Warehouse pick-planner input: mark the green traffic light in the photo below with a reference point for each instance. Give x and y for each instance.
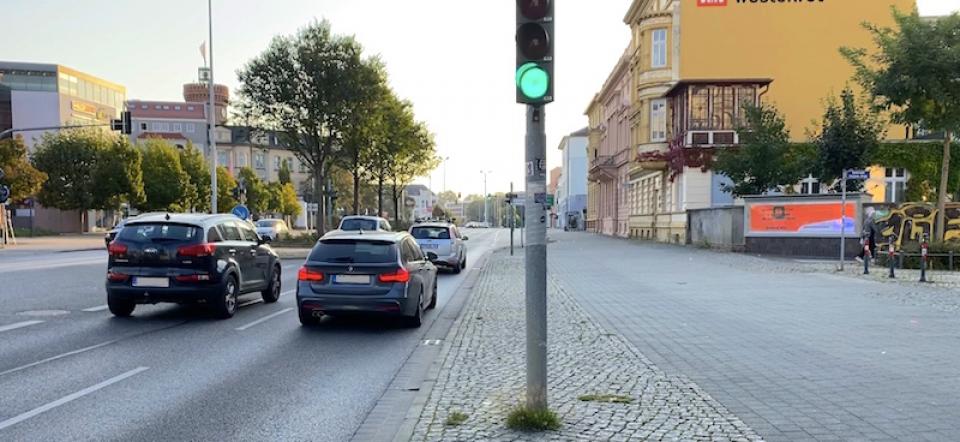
(533, 81)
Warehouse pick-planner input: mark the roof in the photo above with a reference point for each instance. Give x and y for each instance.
(182, 218)
(433, 224)
(581, 133)
(416, 189)
(369, 217)
(370, 235)
(718, 81)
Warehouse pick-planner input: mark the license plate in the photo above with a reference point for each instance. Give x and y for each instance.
(352, 279)
(430, 246)
(151, 282)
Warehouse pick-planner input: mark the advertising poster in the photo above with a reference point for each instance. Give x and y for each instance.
(801, 219)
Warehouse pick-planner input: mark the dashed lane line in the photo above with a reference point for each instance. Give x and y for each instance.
(264, 319)
(17, 325)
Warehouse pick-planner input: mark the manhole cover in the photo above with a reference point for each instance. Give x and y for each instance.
(44, 313)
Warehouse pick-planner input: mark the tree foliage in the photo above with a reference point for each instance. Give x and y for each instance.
(289, 204)
(23, 179)
(256, 198)
(284, 173)
(198, 173)
(765, 161)
(849, 135)
(165, 183)
(225, 185)
(118, 176)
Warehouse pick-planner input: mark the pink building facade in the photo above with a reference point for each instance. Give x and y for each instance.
(610, 154)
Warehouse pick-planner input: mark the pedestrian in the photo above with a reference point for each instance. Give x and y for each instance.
(868, 233)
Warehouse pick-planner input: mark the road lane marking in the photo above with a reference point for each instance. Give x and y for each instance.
(250, 302)
(288, 292)
(264, 319)
(69, 398)
(60, 356)
(17, 325)
(98, 308)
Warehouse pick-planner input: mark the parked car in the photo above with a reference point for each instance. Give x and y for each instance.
(382, 273)
(271, 229)
(445, 240)
(189, 258)
(112, 234)
(366, 223)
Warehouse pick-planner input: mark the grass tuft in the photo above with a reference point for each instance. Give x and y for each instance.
(523, 418)
(610, 398)
(456, 418)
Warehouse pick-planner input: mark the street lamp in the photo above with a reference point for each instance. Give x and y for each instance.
(445, 173)
(211, 119)
(486, 196)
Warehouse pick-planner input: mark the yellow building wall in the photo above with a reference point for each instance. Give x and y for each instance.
(794, 43)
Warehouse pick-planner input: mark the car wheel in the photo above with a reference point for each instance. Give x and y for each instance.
(433, 298)
(120, 308)
(225, 304)
(272, 293)
(416, 320)
(457, 268)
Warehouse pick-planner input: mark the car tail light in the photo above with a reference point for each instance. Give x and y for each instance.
(115, 249)
(193, 278)
(117, 277)
(400, 275)
(309, 275)
(197, 251)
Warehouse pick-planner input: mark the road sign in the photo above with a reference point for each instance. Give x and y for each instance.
(550, 200)
(4, 194)
(241, 212)
(858, 174)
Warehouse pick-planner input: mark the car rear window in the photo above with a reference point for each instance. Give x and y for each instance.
(354, 252)
(430, 233)
(160, 232)
(358, 224)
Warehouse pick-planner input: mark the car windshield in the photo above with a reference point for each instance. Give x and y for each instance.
(430, 232)
(354, 252)
(268, 223)
(358, 224)
(160, 232)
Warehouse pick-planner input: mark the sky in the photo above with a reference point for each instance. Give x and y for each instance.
(454, 61)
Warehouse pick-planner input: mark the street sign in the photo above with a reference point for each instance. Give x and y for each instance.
(550, 200)
(858, 174)
(241, 212)
(4, 194)
(203, 74)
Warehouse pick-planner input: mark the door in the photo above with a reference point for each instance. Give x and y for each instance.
(414, 263)
(235, 248)
(258, 254)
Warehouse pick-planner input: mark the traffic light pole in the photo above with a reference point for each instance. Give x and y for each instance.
(513, 219)
(535, 220)
(212, 119)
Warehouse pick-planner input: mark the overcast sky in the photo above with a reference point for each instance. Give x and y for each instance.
(454, 62)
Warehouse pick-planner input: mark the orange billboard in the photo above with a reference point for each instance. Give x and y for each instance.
(801, 219)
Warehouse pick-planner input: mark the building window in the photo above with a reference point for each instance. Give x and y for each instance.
(896, 185)
(303, 166)
(176, 108)
(189, 108)
(241, 159)
(143, 126)
(223, 159)
(658, 120)
(259, 160)
(659, 49)
(810, 186)
(191, 128)
(276, 163)
(177, 127)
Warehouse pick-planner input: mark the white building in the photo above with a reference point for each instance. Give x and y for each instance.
(420, 201)
(572, 185)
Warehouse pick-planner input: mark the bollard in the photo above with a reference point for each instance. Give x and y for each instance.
(866, 256)
(892, 256)
(923, 259)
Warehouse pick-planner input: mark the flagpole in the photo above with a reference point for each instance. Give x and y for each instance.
(211, 119)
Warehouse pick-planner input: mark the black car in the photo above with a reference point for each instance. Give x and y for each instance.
(381, 273)
(189, 259)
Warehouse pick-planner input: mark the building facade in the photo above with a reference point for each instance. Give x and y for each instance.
(419, 201)
(571, 199)
(692, 67)
(552, 186)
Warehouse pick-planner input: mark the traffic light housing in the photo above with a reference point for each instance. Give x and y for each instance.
(535, 45)
(123, 125)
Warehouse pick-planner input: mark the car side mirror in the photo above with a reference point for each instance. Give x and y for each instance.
(432, 257)
(261, 241)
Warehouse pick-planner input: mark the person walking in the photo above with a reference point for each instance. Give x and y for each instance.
(868, 233)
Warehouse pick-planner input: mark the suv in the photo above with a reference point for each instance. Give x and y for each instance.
(187, 259)
(354, 223)
(445, 240)
(374, 273)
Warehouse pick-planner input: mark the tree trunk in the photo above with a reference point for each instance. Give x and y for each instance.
(356, 183)
(940, 226)
(318, 196)
(396, 204)
(380, 195)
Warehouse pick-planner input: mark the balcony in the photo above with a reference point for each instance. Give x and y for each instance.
(603, 168)
(708, 113)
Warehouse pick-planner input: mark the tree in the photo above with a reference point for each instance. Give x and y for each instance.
(225, 185)
(305, 87)
(447, 197)
(366, 128)
(23, 179)
(165, 183)
(438, 212)
(256, 197)
(284, 172)
(118, 176)
(289, 204)
(69, 159)
(765, 159)
(913, 76)
(273, 197)
(415, 156)
(198, 172)
(848, 138)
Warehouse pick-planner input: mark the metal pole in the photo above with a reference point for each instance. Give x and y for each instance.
(513, 219)
(536, 259)
(893, 258)
(923, 259)
(329, 200)
(212, 120)
(843, 218)
(486, 200)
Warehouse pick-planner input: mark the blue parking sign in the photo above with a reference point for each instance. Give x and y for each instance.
(241, 212)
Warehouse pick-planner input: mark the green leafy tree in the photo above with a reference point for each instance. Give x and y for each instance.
(284, 172)
(416, 156)
(273, 197)
(255, 198)
(438, 212)
(305, 87)
(849, 136)
(165, 183)
(23, 179)
(289, 204)
(447, 197)
(225, 185)
(118, 176)
(366, 128)
(198, 172)
(913, 76)
(765, 160)
(69, 159)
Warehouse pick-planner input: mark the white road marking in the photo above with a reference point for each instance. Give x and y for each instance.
(17, 325)
(250, 302)
(98, 308)
(264, 319)
(288, 292)
(69, 398)
(60, 356)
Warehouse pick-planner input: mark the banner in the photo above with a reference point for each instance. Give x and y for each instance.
(820, 219)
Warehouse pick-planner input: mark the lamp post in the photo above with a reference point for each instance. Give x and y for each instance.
(211, 119)
(445, 159)
(486, 197)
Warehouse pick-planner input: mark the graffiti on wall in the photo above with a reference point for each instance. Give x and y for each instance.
(909, 222)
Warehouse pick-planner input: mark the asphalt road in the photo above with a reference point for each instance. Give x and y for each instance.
(69, 370)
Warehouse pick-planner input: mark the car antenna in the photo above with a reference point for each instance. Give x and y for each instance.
(168, 217)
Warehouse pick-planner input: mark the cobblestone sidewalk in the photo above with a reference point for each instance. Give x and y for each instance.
(483, 376)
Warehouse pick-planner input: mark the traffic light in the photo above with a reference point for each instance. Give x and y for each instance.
(535, 43)
(123, 125)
